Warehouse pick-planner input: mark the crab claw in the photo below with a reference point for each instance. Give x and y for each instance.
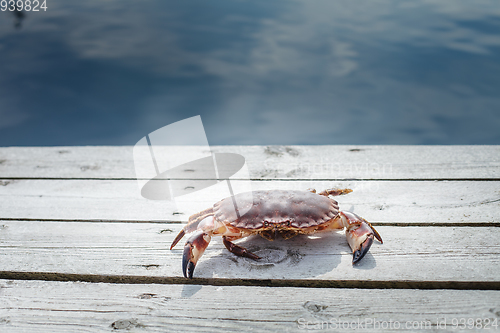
(357, 255)
(193, 250)
(360, 234)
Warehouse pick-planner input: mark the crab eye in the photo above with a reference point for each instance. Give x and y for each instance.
(266, 223)
(288, 223)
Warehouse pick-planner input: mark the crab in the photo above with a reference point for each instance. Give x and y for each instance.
(269, 214)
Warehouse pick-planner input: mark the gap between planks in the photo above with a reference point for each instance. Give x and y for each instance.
(394, 224)
(297, 283)
(264, 179)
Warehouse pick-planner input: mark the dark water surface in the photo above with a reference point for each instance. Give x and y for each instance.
(258, 72)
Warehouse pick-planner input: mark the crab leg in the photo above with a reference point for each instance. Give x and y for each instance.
(238, 250)
(193, 224)
(335, 191)
(359, 233)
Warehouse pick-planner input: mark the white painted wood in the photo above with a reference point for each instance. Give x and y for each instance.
(377, 201)
(270, 162)
(142, 249)
(97, 183)
(34, 306)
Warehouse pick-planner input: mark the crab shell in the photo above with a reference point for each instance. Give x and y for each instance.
(276, 209)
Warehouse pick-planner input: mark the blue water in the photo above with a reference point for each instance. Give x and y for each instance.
(258, 72)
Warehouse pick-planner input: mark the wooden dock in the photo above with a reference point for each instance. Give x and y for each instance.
(82, 251)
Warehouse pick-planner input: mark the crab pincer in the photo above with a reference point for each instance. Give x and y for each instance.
(202, 229)
(193, 250)
(359, 233)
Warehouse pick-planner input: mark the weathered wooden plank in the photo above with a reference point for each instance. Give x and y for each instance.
(85, 307)
(378, 201)
(414, 254)
(270, 162)
(141, 249)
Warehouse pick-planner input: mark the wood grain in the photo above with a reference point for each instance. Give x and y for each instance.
(37, 306)
(76, 214)
(386, 202)
(269, 162)
(141, 249)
